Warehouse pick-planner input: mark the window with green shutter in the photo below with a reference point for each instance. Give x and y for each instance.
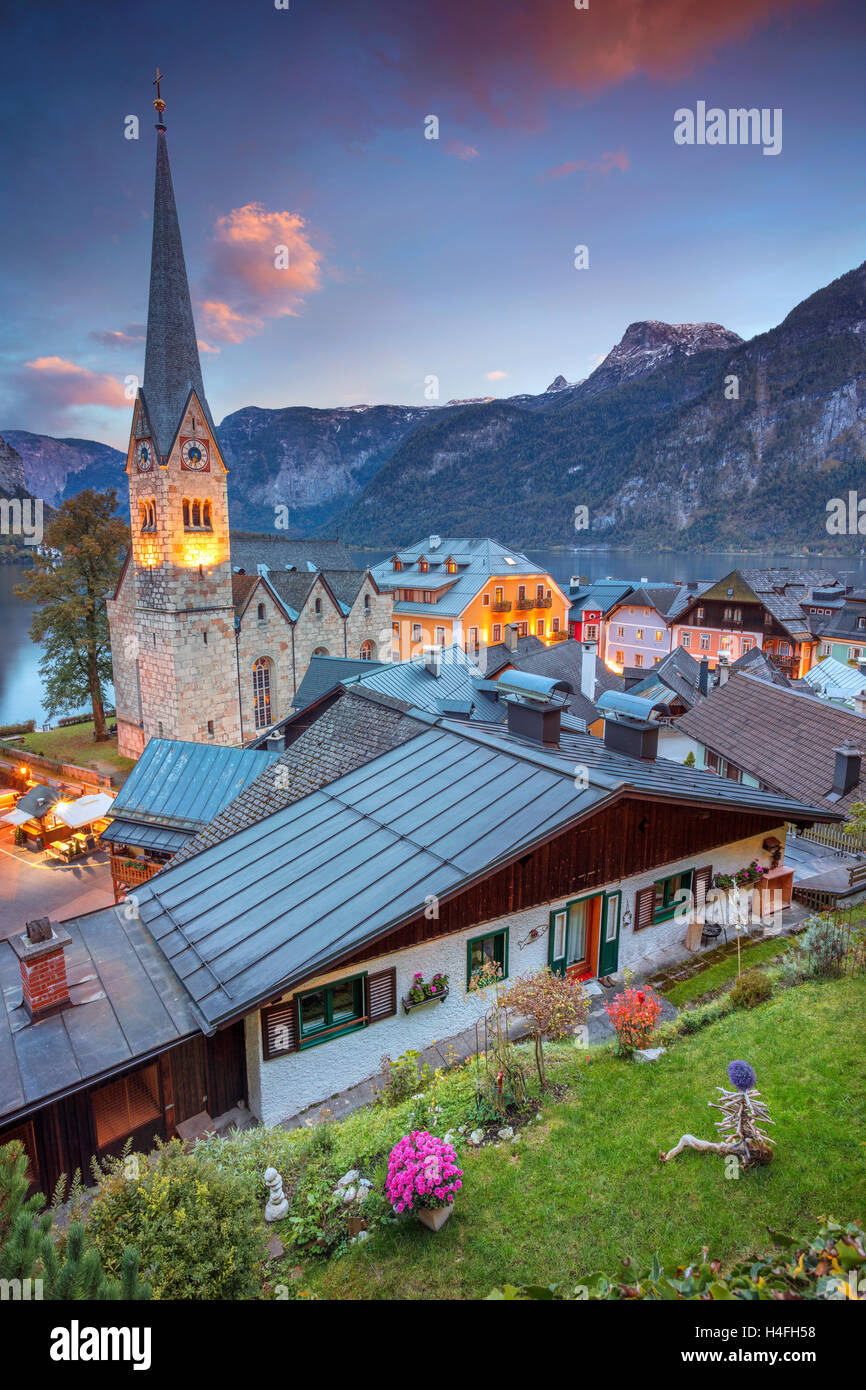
(487, 953)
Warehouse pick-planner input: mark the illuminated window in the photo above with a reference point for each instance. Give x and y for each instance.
(451, 567)
(497, 632)
(320, 651)
(262, 692)
(124, 1106)
(423, 565)
(368, 651)
(539, 627)
(556, 625)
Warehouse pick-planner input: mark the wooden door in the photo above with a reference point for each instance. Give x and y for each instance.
(608, 949)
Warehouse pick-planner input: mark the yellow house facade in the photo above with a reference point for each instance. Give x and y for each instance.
(464, 591)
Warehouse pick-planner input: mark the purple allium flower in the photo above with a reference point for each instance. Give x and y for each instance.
(741, 1076)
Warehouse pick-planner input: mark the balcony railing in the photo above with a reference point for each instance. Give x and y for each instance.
(543, 602)
(524, 603)
(127, 873)
(502, 605)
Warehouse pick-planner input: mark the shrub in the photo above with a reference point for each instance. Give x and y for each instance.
(634, 1014)
(818, 953)
(693, 1020)
(422, 1171)
(552, 1006)
(403, 1078)
(753, 987)
(194, 1223)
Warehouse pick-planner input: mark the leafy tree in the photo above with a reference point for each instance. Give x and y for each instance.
(67, 1264)
(552, 1006)
(72, 620)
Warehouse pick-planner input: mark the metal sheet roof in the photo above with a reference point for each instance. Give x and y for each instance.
(459, 680)
(127, 1004)
(129, 832)
(281, 898)
(182, 785)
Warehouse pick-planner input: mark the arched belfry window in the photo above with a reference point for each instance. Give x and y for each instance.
(318, 605)
(261, 613)
(147, 513)
(197, 514)
(262, 692)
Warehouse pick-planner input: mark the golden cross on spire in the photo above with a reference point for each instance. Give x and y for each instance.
(159, 104)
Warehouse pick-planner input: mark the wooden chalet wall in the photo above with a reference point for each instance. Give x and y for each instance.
(200, 1074)
(630, 837)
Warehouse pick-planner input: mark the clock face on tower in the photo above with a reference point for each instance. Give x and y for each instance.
(144, 456)
(194, 455)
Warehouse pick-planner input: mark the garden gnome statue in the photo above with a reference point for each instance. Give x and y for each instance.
(277, 1206)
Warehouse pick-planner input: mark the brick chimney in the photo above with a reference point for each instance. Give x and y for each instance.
(43, 968)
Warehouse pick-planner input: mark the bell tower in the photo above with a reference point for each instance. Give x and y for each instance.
(177, 669)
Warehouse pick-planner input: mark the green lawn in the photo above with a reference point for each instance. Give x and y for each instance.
(585, 1186)
(724, 971)
(75, 745)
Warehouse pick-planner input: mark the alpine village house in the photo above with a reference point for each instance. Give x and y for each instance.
(269, 963)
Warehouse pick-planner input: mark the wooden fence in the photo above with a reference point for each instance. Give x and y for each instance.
(834, 837)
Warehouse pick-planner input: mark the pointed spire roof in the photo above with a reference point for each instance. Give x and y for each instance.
(171, 362)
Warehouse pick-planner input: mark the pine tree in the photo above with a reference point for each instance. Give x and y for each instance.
(69, 1268)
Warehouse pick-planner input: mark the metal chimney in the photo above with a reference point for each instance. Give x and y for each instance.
(846, 773)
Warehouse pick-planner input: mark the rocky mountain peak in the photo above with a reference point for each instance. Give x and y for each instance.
(559, 383)
(648, 344)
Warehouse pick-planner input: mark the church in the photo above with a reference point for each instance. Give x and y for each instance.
(211, 633)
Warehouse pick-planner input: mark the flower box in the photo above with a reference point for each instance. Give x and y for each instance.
(410, 1004)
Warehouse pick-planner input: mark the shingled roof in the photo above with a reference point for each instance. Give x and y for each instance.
(353, 730)
(784, 738)
(249, 550)
(171, 362)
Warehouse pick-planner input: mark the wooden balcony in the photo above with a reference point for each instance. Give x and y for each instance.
(502, 605)
(544, 602)
(128, 873)
(524, 603)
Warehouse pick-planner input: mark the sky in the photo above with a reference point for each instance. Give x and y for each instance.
(411, 264)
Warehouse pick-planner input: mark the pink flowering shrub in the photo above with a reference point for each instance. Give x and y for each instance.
(422, 1172)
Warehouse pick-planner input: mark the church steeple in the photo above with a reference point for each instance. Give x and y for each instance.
(171, 362)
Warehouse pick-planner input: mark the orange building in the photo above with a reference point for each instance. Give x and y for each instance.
(464, 591)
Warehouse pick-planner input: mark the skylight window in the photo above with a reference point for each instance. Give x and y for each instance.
(509, 561)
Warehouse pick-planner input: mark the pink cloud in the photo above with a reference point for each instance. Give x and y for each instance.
(67, 384)
(609, 160)
(459, 150)
(496, 376)
(262, 265)
(132, 334)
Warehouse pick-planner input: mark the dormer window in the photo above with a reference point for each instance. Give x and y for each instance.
(423, 565)
(397, 562)
(451, 566)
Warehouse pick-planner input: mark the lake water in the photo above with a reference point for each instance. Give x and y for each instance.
(21, 684)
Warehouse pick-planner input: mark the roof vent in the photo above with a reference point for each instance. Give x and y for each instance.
(637, 738)
(433, 661)
(846, 774)
(535, 704)
(511, 636)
